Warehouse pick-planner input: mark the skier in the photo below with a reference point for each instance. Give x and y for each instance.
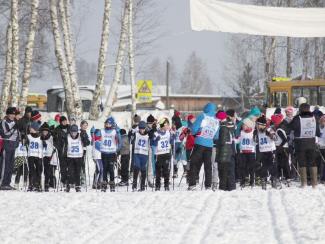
(35, 154)
(60, 142)
(247, 156)
(141, 151)
(225, 153)
(264, 137)
(85, 139)
(21, 164)
(97, 157)
(305, 128)
(110, 145)
(10, 134)
(206, 128)
(125, 158)
(48, 153)
(75, 146)
(163, 140)
(281, 143)
(152, 128)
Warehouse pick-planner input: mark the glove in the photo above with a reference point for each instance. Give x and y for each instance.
(158, 138)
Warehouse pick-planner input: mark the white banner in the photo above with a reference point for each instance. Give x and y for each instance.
(213, 15)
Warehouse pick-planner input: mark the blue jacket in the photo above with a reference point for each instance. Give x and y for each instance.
(205, 135)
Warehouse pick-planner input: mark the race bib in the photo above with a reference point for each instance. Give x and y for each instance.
(307, 127)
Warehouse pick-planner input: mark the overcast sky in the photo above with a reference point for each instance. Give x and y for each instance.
(178, 41)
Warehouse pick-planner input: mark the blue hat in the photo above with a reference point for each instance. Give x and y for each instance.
(142, 125)
(74, 128)
(110, 120)
(35, 126)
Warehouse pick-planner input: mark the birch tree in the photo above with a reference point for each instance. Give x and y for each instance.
(7, 77)
(99, 88)
(119, 61)
(131, 58)
(29, 55)
(60, 58)
(70, 55)
(15, 53)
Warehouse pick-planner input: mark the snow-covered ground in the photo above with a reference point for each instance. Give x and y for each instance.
(290, 215)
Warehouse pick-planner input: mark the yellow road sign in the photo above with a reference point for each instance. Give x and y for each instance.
(144, 88)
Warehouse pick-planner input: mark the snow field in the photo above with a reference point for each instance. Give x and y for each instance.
(290, 215)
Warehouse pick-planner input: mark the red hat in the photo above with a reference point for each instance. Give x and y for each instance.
(36, 115)
(57, 117)
(221, 115)
(277, 119)
(190, 117)
(177, 113)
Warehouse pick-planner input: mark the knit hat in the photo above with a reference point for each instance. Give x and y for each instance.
(277, 111)
(289, 109)
(35, 126)
(163, 121)
(74, 128)
(122, 132)
(52, 123)
(255, 112)
(63, 118)
(190, 117)
(304, 107)
(110, 120)
(36, 115)
(11, 110)
(177, 113)
(97, 135)
(28, 110)
(45, 127)
(261, 120)
(230, 112)
(136, 119)
(249, 123)
(221, 115)
(142, 125)
(277, 119)
(57, 117)
(150, 119)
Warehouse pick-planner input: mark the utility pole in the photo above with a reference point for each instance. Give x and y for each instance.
(167, 85)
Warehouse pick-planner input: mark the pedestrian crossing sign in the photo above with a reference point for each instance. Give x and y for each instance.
(144, 90)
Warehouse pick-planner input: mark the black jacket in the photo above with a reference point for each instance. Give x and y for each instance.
(225, 146)
(23, 126)
(295, 126)
(60, 138)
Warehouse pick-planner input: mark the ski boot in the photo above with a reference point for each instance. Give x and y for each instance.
(46, 188)
(263, 184)
(78, 189)
(192, 188)
(30, 189)
(157, 188)
(274, 183)
(122, 183)
(166, 188)
(214, 186)
(67, 189)
(112, 186)
(104, 187)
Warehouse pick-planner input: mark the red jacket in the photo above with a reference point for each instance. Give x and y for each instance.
(189, 139)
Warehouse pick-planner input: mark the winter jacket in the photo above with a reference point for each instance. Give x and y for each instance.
(225, 146)
(125, 149)
(60, 136)
(295, 126)
(85, 138)
(186, 133)
(23, 126)
(206, 126)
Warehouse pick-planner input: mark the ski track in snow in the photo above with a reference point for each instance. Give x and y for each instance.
(289, 215)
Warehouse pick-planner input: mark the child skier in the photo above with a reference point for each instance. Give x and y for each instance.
(75, 157)
(247, 160)
(110, 146)
(163, 141)
(48, 153)
(125, 158)
(282, 147)
(264, 137)
(35, 149)
(21, 164)
(97, 157)
(141, 152)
